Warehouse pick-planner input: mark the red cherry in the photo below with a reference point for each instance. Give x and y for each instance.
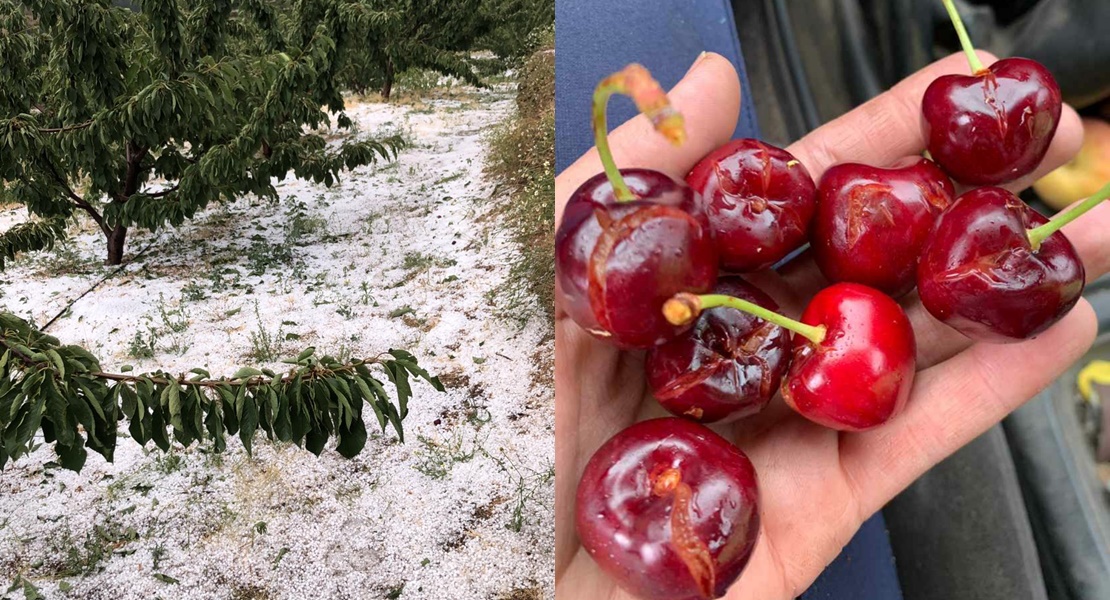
(995, 125)
(860, 374)
(670, 510)
(618, 262)
(727, 367)
(625, 247)
(759, 200)
(872, 222)
(980, 274)
(853, 362)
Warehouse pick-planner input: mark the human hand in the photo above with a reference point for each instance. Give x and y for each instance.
(817, 486)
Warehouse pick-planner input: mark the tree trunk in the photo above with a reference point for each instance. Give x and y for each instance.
(387, 87)
(116, 241)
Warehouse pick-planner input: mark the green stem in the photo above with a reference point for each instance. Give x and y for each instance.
(634, 81)
(965, 40)
(683, 308)
(601, 139)
(1038, 235)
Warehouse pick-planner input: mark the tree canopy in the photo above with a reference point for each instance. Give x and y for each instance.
(143, 118)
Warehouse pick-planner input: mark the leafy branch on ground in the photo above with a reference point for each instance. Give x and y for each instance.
(62, 391)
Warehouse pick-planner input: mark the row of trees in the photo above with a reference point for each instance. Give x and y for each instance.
(144, 114)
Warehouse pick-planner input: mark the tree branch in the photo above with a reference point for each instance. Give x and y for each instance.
(67, 128)
(78, 201)
(163, 193)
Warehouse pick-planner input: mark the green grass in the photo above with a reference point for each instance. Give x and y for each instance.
(522, 157)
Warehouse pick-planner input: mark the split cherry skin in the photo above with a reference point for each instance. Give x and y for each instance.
(630, 239)
(872, 222)
(728, 366)
(997, 271)
(994, 125)
(853, 354)
(759, 200)
(670, 510)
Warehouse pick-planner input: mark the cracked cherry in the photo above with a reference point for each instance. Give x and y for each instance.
(853, 357)
(759, 200)
(994, 125)
(871, 222)
(728, 366)
(630, 239)
(998, 271)
(669, 509)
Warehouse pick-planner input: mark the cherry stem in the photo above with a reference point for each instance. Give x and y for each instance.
(1039, 234)
(635, 82)
(683, 308)
(965, 40)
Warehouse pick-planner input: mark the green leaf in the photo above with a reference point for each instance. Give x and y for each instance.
(158, 428)
(248, 422)
(72, 457)
(214, 424)
(165, 578)
(315, 440)
(58, 362)
(173, 398)
(56, 409)
(352, 439)
(246, 373)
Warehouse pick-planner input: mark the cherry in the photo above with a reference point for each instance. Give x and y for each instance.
(759, 199)
(630, 239)
(872, 222)
(670, 510)
(727, 367)
(996, 270)
(854, 353)
(995, 125)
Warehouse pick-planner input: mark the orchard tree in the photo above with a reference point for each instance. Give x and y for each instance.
(521, 27)
(143, 117)
(437, 35)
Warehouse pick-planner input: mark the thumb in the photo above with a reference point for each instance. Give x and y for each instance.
(708, 98)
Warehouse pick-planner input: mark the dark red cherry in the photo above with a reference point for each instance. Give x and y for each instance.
(871, 222)
(861, 373)
(759, 200)
(618, 262)
(980, 274)
(728, 366)
(994, 126)
(670, 510)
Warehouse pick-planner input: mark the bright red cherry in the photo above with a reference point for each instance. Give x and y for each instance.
(759, 200)
(860, 373)
(728, 366)
(995, 125)
(992, 272)
(854, 353)
(670, 510)
(631, 239)
(872, 222)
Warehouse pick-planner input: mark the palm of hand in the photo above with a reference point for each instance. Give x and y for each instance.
(816, 485)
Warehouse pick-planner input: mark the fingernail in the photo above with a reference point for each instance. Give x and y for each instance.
(701, 57)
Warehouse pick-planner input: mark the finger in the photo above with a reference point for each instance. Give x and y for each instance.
(956, 401)
(708, 98)
(883, 129)
(888, 127)
(936, 342)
